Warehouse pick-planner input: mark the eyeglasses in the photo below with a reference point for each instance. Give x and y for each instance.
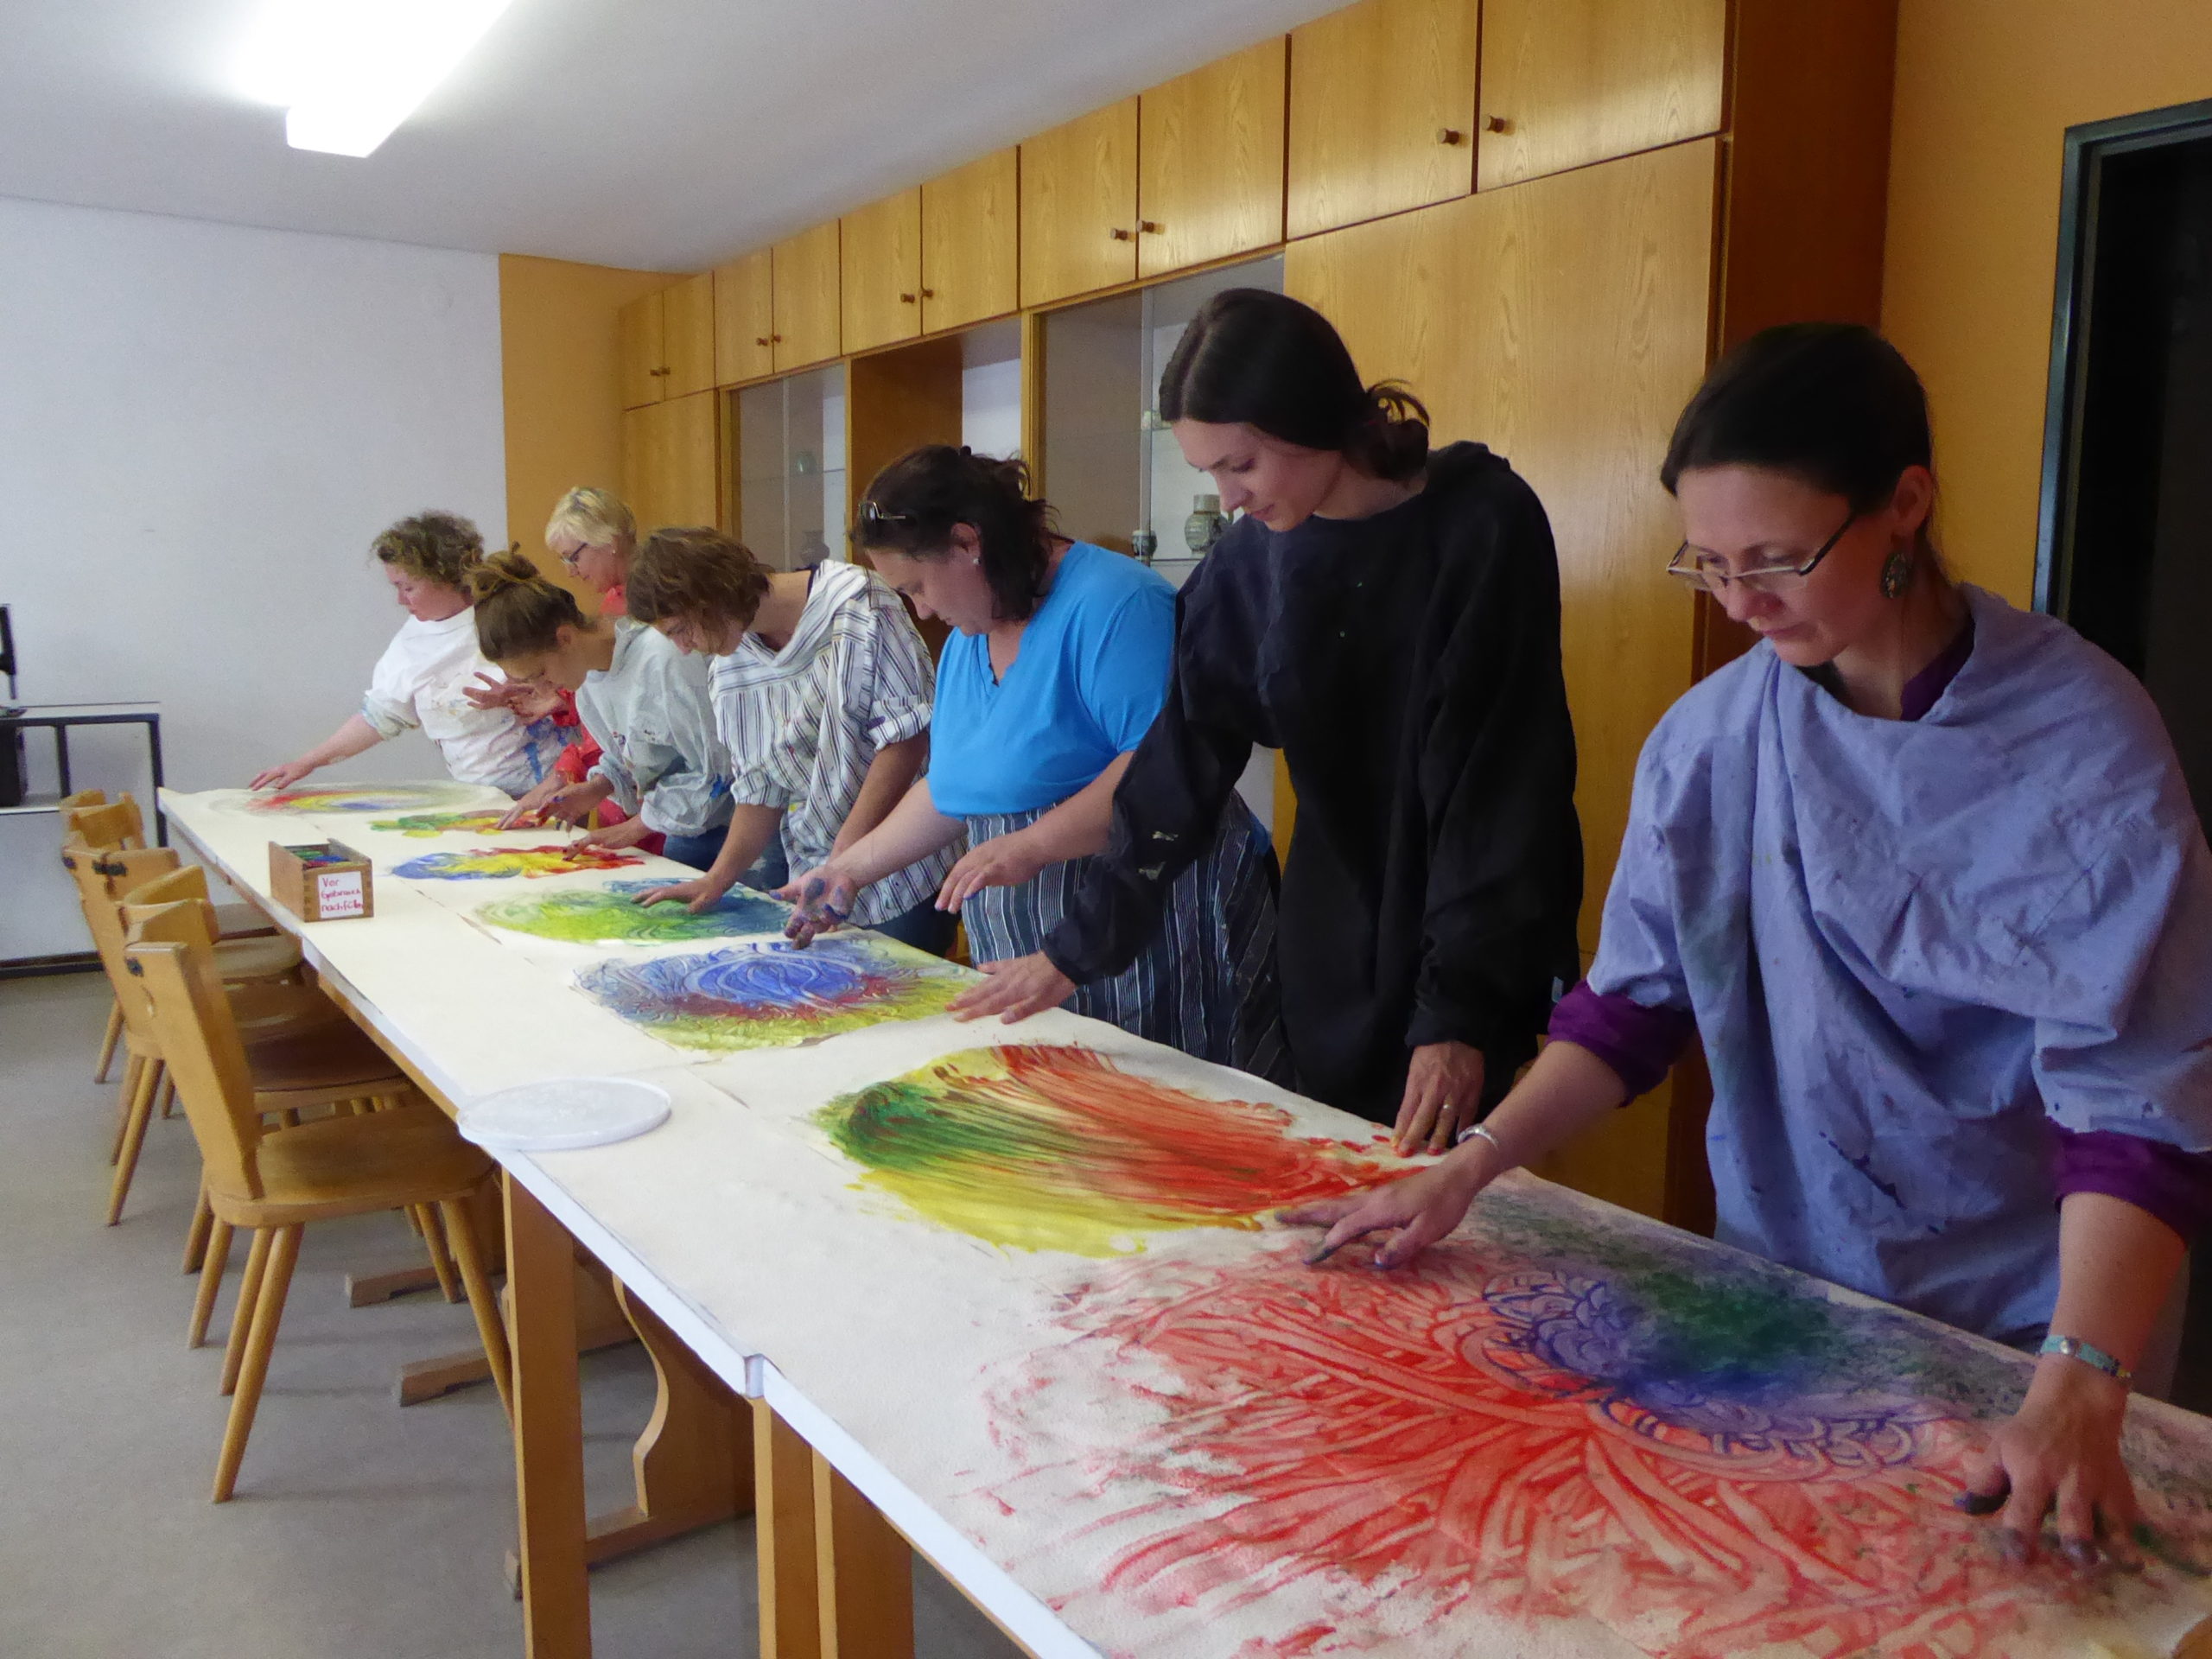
(1713, 574)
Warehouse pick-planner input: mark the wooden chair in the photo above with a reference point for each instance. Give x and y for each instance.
(119, 827)
(71, 835)
(273, 1184)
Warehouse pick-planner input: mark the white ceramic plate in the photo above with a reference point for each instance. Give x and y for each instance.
(563, 1113)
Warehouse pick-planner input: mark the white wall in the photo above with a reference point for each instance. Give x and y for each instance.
(201, 426)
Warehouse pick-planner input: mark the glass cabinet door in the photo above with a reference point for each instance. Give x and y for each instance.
(791, 468)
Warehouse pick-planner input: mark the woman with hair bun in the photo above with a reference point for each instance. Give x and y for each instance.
(1055, 671)
(643, 701)
(433, 678)
(1389, 617)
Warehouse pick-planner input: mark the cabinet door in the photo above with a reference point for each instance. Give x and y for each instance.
(1079, 206)
(671, 472)
(881, 265)
(1381, 111)
(1209, 179)
(745, 317)
(639, 350)
(688, 336)
(806, 300)
(1568, 82)
(971, 252)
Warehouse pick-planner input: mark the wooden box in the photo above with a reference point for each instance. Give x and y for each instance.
(324, 881)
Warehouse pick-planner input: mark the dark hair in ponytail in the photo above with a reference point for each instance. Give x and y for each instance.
(518, 612)
(912, 505)
(1261, 359)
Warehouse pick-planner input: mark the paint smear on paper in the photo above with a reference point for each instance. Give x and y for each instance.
(422, 825)
(1704, 1455)
(773, 995)
(595, 915)
(366, 798)
(1053, 1148)
(497, 863)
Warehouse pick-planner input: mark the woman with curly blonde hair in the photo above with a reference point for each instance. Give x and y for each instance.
(425, 675)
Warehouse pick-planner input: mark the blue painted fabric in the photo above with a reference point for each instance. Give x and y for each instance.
(1911, 946)
(1084, 687)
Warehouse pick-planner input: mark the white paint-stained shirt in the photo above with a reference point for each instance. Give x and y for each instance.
(420, 682)
(803, 724)
(649, 713)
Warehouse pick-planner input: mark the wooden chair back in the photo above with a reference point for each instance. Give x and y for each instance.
(168, 958)
(117, 824)
(82, 798)
(105, 926)
(186, 884)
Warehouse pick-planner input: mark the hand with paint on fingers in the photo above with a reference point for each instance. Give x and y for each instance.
(562, 804)
(1414, 1212)
(1444, 1090)
(282, 777)
(700, 894)
(628, 833)
(1013, 990)
(1002, 862)
(824, 898)
(521, 698)
(2058, 1460)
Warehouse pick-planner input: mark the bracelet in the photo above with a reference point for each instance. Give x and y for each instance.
(1475, 1130)
(2075, 1348)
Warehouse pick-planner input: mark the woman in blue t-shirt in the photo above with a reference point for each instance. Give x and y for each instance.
(1056, 667)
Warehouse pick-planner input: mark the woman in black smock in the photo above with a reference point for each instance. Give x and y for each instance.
(1389, 617)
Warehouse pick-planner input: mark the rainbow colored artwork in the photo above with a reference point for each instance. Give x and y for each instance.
(422, 825)
(497, 863)
(773, 995)
(1053, 1148)
(1553, 1416)
(594, 915)
(366, 798)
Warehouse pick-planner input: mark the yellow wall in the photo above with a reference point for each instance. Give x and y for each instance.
(1986, 89)
(564, 405)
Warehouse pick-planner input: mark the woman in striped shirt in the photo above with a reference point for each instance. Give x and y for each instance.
(821, 688)
(1057, 667)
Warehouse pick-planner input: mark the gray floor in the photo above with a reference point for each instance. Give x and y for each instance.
(358, 1527)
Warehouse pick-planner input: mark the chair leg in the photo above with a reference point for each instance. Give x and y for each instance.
(134, 1136)
(268, 1312)
(108, 1042)
(195, 1237)
(256, 1261)
(168, 1093)
(482, 1302)
(134, 1072)
(213, 1262)
(433, 1242)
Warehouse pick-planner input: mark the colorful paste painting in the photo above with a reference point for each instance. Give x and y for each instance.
(773, 995)
(1555, 1417)
(497, 863)
(1053, 1148)
(612, 913)
(367, 798)
(422, 825)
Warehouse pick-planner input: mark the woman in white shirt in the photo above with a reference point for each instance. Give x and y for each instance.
(643, 701)
(423, 678)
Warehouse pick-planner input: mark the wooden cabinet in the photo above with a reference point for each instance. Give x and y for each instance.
(807, 306)
(881, 266)
(971, 247)
(1210, 161)
(1381, 111)
(688, 336)
(1568, 82)
(1079, 206)
(671, 461)
(745, 319)
(637, 352)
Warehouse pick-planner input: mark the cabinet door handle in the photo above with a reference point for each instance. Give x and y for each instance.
(905, 299)
(760, 339)
(1151, 226)
(1450, 136)
(1121, 235)
(929, 293)
(777, 338)
(1496, 123)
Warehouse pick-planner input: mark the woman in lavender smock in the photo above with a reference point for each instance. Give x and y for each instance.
(1922, 871)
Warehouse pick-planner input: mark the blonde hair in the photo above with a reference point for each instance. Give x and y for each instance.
(518, 612)
(593, 517)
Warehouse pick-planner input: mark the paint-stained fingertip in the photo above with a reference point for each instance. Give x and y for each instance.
(1978, 1503)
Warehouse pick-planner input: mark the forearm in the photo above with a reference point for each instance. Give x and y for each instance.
(890, 777)
(2116, 1265)
(355, 737)
(1568, 1091)
(1077, 828)
(751, 830)
(911, 832)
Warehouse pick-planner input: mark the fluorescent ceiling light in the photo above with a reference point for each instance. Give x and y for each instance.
(348, 72)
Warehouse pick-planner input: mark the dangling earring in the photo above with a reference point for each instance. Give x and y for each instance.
(1896, 573)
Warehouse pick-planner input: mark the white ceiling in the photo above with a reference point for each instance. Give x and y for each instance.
(663, 134)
